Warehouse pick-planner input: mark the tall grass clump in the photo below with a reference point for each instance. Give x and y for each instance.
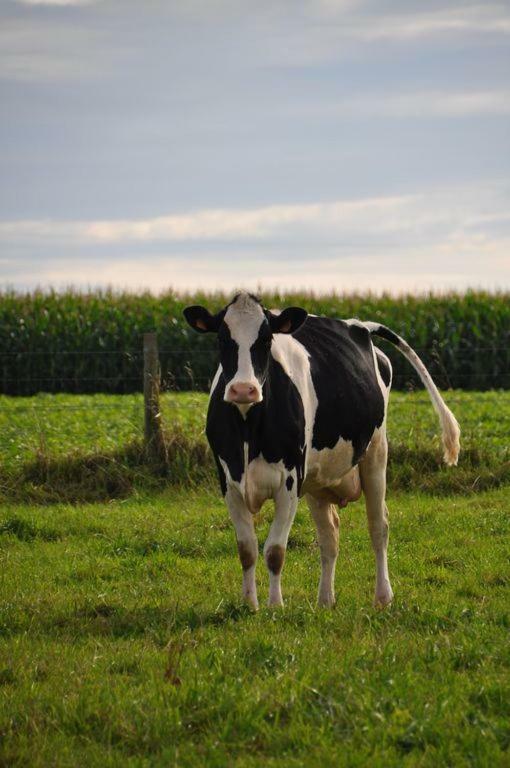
(92, 342)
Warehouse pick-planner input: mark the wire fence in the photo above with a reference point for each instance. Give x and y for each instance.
(120, 371)
(51, 426)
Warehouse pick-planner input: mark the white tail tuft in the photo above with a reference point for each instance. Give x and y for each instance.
(451, 435)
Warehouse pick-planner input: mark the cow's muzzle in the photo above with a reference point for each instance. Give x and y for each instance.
(243, 393)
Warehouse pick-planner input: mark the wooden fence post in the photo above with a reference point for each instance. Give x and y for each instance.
(154, 438)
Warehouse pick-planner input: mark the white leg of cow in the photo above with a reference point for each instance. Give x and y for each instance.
(326, 520)
(246, 543)
(274, 549)
(373, 481)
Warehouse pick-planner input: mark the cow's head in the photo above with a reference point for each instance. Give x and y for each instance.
(245, 331)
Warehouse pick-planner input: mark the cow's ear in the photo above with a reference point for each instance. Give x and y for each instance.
(287, 321)
(201, 319)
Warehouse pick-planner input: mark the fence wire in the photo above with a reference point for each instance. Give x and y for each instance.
(81, 371)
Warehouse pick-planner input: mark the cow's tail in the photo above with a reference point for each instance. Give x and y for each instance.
(449, 424)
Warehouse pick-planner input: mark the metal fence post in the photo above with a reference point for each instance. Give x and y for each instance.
(154, 438)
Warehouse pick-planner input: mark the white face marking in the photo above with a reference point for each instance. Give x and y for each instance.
(244, 319)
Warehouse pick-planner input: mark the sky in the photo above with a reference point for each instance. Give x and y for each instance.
(331, 145)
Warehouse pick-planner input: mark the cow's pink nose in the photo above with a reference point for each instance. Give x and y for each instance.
(243, 393)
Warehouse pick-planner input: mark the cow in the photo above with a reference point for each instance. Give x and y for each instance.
(298, 408)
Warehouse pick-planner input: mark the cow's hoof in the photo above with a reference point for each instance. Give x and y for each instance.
(383, 598)
(326, 600)
(275, 602)
(251, 601)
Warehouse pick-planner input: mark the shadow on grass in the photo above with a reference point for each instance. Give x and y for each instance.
(80, 478)
(97, 477)
(159, 622)
(24, 530)
(117, 621)
(422, 469)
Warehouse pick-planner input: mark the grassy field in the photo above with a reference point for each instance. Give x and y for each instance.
(87, 447)
(123, 640)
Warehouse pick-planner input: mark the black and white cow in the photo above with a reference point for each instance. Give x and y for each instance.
(298, 407)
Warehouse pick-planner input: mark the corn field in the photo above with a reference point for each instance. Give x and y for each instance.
(82, 343)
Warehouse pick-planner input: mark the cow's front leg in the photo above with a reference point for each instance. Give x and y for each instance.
(276, 544)
(246, 542)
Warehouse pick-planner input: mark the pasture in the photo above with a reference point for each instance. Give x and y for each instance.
(124, 640)
(89, 447)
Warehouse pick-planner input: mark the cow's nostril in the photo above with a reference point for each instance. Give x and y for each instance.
(242, 393)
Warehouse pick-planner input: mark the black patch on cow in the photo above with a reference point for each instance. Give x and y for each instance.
(229, 352)
(225, 430)
(289, 482)
(274, 428)
(221, 476)
(384, 368)
(259, 351)
(385, 333)
(275, 557)
(350, 401)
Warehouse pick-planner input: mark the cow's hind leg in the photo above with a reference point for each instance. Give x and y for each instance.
(326, 520)
(373, 481)
(246, 542)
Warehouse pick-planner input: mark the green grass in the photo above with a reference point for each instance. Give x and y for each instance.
(88, 447)
(123, 640)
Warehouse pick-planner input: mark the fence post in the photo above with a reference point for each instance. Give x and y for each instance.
(154, 438)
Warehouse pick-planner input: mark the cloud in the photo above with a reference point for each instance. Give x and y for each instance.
(410, 104)
(410, 26)
(387, 220)
(214, 224)
(316, 32)
(49, 49)
(419, 270)
(59, 3)
(330, 33)
(438, 239)
(426, 104)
